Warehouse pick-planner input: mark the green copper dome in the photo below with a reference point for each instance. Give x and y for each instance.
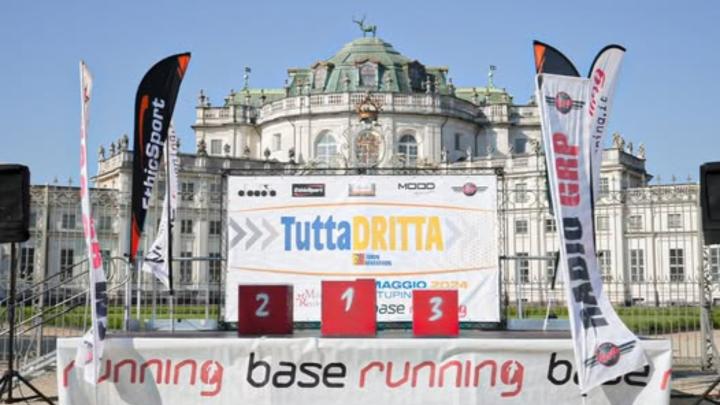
(367, 64)
(363, 49)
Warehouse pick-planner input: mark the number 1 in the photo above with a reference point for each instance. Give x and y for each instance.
(348, 297)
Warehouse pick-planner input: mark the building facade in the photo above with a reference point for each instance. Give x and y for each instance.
(368, 109)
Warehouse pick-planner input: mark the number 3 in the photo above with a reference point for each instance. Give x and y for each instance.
(262, 311)
(348, 297)
(437, 313)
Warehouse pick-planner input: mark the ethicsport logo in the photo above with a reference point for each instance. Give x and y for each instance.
(308, 190)
(564, 103)
(608, 354)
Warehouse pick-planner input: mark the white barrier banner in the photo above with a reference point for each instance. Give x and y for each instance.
(407, 232)
(352, 371)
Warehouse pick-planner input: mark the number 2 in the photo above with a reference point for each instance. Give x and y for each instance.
(262, 311)
(348, 297)
(437, 313)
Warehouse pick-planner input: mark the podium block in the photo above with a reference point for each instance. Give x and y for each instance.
(348, 308)
(435, 313)
(265, 309)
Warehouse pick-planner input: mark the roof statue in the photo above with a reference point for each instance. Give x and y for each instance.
(491, 74)
(365, 28)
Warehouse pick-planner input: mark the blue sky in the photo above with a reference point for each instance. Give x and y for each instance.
(666, 98)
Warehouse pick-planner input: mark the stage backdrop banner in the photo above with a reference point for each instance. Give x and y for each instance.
(310, 370)
(407, 232)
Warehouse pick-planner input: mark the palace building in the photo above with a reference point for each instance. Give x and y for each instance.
(370, 109)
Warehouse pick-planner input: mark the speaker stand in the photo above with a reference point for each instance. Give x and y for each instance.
(6, 382)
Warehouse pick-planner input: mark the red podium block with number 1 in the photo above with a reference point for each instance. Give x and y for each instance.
(265, 309)
(348, 308)
(435, 313)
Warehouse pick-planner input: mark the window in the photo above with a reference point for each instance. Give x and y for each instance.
(33, 219)
(677, 265)
(106, 256)
(407, 149)
(368, 74)
(185, 268)
(637, 265)
(715, 263)
(520, 146)
(68, 221)
(674, 221)
(521, 226)
(458, 138)
(67, 257)
(603, 223)
(523, 268)
(605, 260)
(276, 142)
(521, 193)
(604, 187)
(215, 192)
(325, 148)
(550, 225)
(105, 223)
(187, 191)
(27, 263)
(367, 148)
(550, 267)
(186, 226)
(216, 147)
(635, 222)
(214, 268)
(215, 227)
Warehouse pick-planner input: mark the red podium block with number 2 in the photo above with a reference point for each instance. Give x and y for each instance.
(348, 308)
(265, 309)
(435, 313)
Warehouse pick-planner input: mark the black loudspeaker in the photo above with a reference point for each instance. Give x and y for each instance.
(14, 203)
(710, 202)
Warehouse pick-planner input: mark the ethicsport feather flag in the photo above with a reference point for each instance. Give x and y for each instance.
(604, 347)
(154, 105)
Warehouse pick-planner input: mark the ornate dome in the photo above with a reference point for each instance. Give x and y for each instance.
(367, 64)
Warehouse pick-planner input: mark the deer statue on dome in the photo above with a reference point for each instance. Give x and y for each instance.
(365, 28)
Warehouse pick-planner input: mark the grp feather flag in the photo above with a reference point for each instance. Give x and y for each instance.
(90, 350)
(154, 105)
(604, 347)
(603, 76)
(157, 259)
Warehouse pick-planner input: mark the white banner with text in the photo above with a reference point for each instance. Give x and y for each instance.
(311, 370)
(406, 232)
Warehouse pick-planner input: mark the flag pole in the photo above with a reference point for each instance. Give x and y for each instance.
(169, 230)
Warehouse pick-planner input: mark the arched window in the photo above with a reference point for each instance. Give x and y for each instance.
(325, 147)
(407, 148)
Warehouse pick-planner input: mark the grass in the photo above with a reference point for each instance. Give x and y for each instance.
(641, 320)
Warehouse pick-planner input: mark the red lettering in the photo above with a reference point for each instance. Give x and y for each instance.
(561, 147)
(569, 194)
(665, 379)
(567, 169)
(367, 368)
(96, 255)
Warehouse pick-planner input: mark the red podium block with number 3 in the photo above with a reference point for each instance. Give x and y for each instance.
(265, 309)
(348, 308)
(435, 313)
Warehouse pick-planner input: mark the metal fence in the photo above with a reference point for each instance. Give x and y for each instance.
(655, 269)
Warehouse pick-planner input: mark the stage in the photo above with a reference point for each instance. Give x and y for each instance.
(512, 367)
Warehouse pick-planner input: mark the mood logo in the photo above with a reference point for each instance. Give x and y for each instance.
(377, 233)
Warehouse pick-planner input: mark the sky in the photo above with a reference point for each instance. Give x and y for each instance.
(666, 97)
